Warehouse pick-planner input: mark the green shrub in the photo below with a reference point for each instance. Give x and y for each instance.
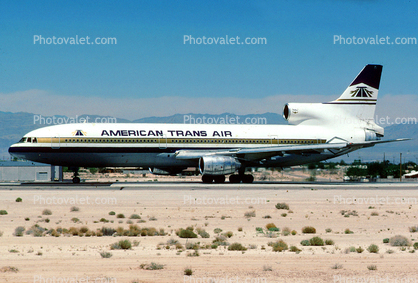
(152, 266)
(294, 249)
(19, 231)
(329, 242)
(186, 233)
(259, 230)
(217, 230)
(36, 231)
(413, 229)
(19, 200)
(249, 214)
(282, 205)
(373, 248)
(188, 272)
(112, 213)
(3, 212)
(228, 234)
(348, 231)
(337, 266)
(46, 212)
(270, 225)
(279, 246)
(135, 216)
(305, 243)
(84, 229)
(120, 215)
(328, 230)
(74, 209)
(121, 245)
(372, 267)
(202, 233)
(107, 231)
(308, 230)
(220, 241)
(236, 247)
(106, 254)
(399, 241)
(359, 250)
(386, 240)
(316, 241)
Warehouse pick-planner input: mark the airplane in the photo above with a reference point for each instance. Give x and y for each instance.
(315, 132)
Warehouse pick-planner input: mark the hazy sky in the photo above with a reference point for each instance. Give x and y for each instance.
(151, 71)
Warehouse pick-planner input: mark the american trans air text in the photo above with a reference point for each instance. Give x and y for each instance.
(160, 133)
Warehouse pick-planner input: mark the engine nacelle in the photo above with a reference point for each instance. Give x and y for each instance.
(296, 113)
(218, 165)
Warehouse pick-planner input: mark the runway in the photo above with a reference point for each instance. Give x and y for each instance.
(217, 187)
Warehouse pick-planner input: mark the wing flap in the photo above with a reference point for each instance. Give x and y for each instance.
(258, 153)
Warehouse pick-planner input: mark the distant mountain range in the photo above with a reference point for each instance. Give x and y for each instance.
(14, 125)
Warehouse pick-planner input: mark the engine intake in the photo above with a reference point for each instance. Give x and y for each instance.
(218, 165)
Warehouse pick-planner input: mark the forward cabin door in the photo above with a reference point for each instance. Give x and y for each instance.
(55, 142)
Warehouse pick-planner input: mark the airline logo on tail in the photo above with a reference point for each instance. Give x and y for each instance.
(362, 91)
(364, 88)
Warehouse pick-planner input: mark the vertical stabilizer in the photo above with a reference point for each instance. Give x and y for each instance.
(361, 95)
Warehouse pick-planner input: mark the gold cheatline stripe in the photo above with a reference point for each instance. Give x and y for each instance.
(162, 140)
(356, 99)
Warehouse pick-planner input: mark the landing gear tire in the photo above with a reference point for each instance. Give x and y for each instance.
(76, 180)
(219, 178)
(247, 179)
(235, 179)
(207, 179)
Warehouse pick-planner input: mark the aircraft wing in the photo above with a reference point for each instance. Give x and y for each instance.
(254, 154)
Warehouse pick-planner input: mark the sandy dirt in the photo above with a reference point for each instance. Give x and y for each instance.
(77, 258)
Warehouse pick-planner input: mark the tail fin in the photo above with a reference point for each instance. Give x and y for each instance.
(362, 93)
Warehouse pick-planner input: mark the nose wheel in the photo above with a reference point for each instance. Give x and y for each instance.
(76, 179)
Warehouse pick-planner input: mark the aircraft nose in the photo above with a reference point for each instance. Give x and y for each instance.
(14, 149)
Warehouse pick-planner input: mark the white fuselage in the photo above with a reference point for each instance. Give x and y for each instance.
(155, 145)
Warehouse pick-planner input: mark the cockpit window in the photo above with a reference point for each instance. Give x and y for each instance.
(34, 140)
(29, 140)
(22, 139)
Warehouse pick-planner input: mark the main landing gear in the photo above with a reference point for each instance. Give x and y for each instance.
(241, 178)
(209, 179)
(76, 179)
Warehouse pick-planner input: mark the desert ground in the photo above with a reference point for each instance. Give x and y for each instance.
(372, 213)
